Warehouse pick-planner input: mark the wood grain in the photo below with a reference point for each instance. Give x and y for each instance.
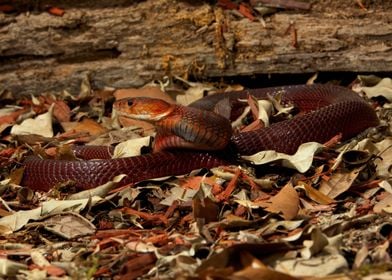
(124, 44)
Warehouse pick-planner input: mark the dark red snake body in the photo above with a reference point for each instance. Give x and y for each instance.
(326, 111)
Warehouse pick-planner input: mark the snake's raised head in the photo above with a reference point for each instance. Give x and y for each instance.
(143, 108)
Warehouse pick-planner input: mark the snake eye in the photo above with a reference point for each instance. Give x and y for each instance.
(130, 102)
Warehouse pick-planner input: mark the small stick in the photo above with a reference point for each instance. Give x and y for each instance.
(284, 4)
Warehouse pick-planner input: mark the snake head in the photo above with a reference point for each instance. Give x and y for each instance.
(143, 108)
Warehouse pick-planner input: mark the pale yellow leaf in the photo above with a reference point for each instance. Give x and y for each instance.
(301, 160)
(40, 125)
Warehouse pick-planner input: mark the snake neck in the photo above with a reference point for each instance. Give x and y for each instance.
(193, 128)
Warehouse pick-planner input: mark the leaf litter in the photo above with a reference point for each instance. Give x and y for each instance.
(323, 213)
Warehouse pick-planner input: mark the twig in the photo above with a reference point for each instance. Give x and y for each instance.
(284, 4)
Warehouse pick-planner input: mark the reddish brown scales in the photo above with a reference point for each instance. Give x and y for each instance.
(194, 129)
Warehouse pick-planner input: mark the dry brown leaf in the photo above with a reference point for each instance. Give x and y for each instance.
(68, 225)
(316, 195)
(361, 256)
(317, 242)
(194, 183)
(84, 126)
(246, 11)
(231, 256)
(131, 147)
(383, 88)
(255, 269)
(4, 213)
(55, 271)
(40, 125)
(17, 175)
(194, 91)
(301, 160)
(286, 203)
(205, 209)
(385, 205)
(12, 116)
(315, 268)
(254, 106)
(339, 182)
(255, 125)
(384, 162)
(65, 152)
(261, 273)
(61, 111)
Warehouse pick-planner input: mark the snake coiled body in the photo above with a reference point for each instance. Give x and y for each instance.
(326, 111)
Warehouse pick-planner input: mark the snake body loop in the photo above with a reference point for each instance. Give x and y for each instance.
(326, 111)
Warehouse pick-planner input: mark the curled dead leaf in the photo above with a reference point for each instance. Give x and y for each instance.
(285, 203)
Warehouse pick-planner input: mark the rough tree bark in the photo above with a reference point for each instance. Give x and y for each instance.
(128, 43)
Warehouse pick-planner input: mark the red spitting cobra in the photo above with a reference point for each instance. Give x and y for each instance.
(326, 111)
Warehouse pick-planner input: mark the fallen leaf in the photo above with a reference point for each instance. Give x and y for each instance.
(140, 247)
(38, 258)
(261, 110)
(55, 271)
(382, 88)
(242, 199)
(379, 276)
(274, 225)
(178, 193)
(84, 126)
(63, 152)
(317, 266)
(381, 253)
(317, 242)
(194, 183)
(11, 114)
(384, 162)
(231, 256)
(301, 160)
(194, 92)
(41, 125)
(386, 186)
(19, 219)
(10, 268)
(384, 206)
(246, 11)
(339, 182)
(100, 191)
(61, 111)
(254, 106)
(205, 209)
(361, 257)
(16, 175)
(68, 225)
(285, 203)
(315, 194)
(131, 147)
(261, 273)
